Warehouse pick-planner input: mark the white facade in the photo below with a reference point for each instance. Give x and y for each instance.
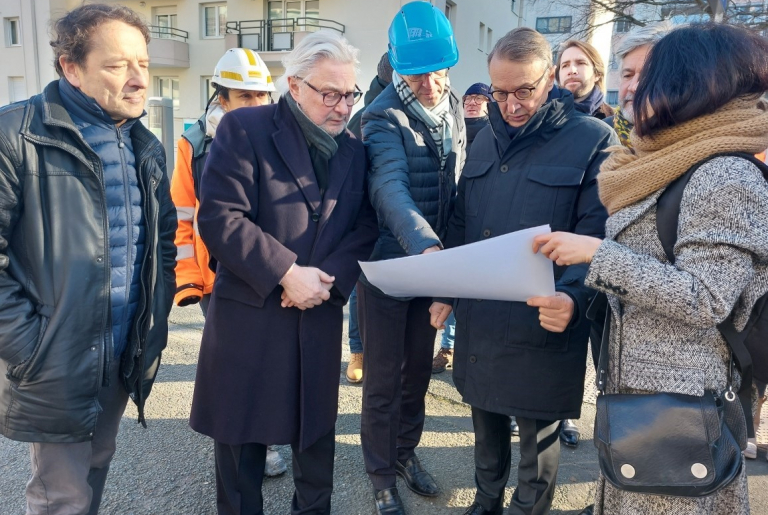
(189, 36)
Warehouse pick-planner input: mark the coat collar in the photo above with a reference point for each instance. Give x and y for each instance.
(292, 147)
(550, 117)
(624, 217)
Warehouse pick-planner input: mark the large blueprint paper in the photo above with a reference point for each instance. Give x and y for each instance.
(500, 268)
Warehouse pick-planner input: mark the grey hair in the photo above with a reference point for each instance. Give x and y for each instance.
(641, 36)
(323, 44)
(522, 44)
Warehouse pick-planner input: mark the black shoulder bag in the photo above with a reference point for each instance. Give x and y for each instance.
(675, 444)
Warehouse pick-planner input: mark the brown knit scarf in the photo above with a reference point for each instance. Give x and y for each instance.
(630, 175)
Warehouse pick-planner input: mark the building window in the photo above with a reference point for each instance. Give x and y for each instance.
(481, 37)
(554, 25)
(165, 20)
(450, 12)
(12, 32)
(622, 26)
(214, 20)
(206, 90)
(489, 41)
(613, 97)
(17, 90)
(168, 87)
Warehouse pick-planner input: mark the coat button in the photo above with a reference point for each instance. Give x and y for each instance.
(487, 233)
(99, 259)
(93, 348)
(504, 168)
(472, 359)
(315, 217)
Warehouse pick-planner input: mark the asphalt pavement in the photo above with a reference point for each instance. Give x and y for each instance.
(167, 469)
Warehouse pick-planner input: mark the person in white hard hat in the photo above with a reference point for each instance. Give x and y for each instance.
(241, 79)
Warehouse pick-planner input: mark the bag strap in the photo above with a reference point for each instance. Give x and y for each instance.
(602, 362)
(667, 220)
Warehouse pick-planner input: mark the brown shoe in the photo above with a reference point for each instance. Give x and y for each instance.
(355, 368)
(443, 360)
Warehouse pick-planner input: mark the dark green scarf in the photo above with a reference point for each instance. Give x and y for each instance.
(322, 146)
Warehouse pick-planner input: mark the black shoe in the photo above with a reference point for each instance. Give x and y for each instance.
(388, 502)
(514, 427)
(589, 510)
(569, 433)
(416, 478)
(476, 509)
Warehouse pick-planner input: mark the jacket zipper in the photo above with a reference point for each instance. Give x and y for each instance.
(142, 319)
(129, 238)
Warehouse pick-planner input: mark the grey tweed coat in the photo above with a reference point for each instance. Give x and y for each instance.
(663, 329)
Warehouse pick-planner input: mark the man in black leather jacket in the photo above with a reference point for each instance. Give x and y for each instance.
(86, 257)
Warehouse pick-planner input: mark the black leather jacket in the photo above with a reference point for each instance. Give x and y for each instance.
(55, 276)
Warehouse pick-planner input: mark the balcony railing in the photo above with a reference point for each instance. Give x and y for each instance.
(168, 47)
(277, 34)
(159, 32)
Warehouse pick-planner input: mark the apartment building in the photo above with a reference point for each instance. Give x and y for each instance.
(189, 36)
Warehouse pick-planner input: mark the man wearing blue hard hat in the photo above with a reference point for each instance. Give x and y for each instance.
(414, 136)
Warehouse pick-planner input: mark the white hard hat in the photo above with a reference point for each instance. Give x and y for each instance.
(241, 68)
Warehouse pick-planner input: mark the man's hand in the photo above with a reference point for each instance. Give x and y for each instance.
(565, 248)
(433, 248)
(305, 287)
(555, 312)
(439, 313)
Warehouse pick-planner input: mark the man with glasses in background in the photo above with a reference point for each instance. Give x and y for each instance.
(284, 211)
(537, 165)
(414, 137)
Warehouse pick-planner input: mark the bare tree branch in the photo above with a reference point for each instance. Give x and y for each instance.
(643, 12)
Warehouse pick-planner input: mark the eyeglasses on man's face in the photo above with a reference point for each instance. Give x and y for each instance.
(520, 93)
(332, 98)
(421, 77)
(475, 99)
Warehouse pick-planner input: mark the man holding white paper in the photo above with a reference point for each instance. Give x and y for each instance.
(535, 164)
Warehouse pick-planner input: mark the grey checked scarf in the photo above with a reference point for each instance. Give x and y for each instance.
(438, 119)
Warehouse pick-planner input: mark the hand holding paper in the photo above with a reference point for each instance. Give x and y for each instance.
(500, 268)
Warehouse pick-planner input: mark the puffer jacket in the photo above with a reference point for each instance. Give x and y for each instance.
(55, 273)
(413, 198)
(114, 147)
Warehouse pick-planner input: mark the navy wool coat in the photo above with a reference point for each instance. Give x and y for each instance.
(269, 374)
(504, 361)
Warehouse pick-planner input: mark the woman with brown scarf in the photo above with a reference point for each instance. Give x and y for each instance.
(698, 98)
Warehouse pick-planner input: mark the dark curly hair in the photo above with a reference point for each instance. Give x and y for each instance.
(72, 33)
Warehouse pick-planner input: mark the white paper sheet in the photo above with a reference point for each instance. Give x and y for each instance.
(500, 268)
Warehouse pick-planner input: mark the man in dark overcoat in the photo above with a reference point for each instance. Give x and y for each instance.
(535, 164)
(284, 211)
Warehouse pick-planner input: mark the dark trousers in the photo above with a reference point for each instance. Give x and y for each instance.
(398, 342)
(536, 472)
(240, 474)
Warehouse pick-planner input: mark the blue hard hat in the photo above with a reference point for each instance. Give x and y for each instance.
(421, 40)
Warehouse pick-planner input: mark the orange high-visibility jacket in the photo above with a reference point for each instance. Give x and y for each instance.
(193, 276)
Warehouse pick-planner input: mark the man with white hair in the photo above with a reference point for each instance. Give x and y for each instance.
(632, 51)
(284, 211)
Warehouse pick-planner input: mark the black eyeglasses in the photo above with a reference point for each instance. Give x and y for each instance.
(332, 98)
(477, 99)
(519, 93)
